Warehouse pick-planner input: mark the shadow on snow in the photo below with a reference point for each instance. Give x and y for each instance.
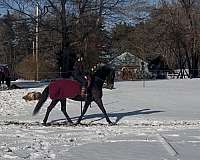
(118, 115)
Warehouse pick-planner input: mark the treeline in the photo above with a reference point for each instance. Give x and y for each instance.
(172, 30)
(97, 28)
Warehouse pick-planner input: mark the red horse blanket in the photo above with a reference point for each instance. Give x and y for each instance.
(64, 88)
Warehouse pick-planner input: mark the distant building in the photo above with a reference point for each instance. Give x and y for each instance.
(129, 66)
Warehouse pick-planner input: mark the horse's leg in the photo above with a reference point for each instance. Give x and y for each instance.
(3, 78)
(63, 109)
(50, 107)
(100, 104)
(87, 103)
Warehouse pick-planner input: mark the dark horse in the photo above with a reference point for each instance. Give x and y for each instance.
(94, 93)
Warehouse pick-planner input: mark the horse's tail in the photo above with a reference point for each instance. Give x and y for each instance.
(41, 101)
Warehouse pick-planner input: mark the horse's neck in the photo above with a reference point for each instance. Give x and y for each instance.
(99, 81)
(100, 76)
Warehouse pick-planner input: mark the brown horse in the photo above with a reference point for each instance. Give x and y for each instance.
(94, 93)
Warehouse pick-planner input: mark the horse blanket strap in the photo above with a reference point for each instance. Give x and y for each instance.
(64, 88)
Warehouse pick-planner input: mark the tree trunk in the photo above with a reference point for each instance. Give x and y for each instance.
(65, 51)
(195, 60)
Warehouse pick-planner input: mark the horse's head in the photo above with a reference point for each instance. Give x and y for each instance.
(106, 73)
(110, 79)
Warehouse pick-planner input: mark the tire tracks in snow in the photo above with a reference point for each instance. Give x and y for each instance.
(167, 145)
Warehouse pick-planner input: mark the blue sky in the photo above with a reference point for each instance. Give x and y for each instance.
(3, 10)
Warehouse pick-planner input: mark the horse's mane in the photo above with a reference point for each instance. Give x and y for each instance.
(103, 73)
(103, 69)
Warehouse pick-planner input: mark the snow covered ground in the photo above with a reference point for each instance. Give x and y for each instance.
(158, 122)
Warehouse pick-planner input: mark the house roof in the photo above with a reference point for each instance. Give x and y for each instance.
(126, 58)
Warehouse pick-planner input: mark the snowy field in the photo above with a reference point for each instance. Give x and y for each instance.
(158, 122)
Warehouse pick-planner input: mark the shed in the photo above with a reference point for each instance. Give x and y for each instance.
(130, 65)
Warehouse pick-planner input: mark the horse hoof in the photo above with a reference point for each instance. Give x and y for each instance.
(70, 123)
(111, 123)
(44, 124)
(77, 123)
